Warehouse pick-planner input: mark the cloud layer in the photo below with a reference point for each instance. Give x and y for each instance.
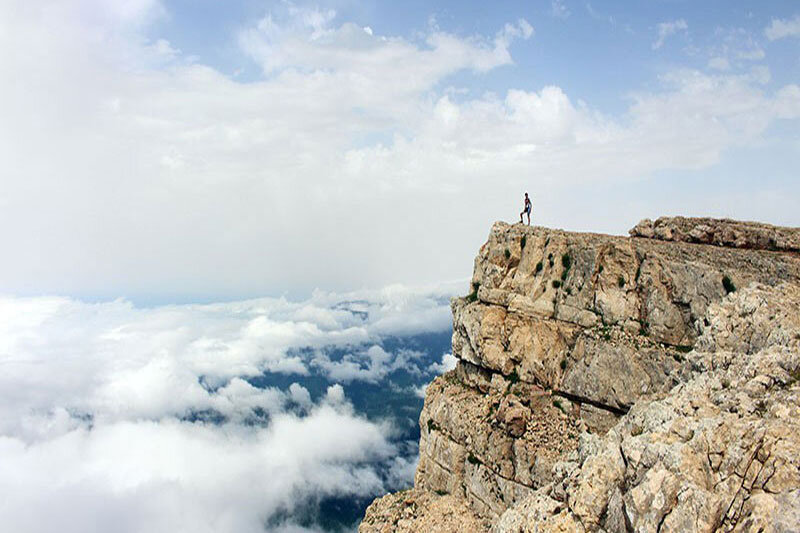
(114, 417)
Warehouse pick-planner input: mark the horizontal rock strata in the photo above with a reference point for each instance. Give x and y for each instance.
(582, 393)
(732, 233)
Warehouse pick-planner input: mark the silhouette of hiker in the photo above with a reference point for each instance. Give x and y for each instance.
(526, 210)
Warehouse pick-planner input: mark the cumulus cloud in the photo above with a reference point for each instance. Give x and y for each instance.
(782, 28)
(130, 169)
(126, 418)
(666, 29)
(309, 40)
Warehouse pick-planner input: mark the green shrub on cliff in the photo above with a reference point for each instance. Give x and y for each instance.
(728, 285)
(473, 296)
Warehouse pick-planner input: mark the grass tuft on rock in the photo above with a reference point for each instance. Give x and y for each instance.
(728, 285)
(473, 296)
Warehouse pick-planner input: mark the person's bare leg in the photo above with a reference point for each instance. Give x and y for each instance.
(520, 217)
(529, 219)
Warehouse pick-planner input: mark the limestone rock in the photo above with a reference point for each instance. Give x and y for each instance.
(617, 384)
(720, 232)
(414, 510)
(713, 454)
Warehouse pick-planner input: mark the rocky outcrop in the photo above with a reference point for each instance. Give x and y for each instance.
(720, 452)
(621, 384)
(732, 233)
(415, 511)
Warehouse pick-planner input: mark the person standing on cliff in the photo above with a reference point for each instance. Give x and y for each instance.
(526, 210)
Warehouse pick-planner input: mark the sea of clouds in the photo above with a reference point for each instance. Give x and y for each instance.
(121, 418)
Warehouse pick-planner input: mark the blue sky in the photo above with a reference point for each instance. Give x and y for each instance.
(195, 151)
(576, 45)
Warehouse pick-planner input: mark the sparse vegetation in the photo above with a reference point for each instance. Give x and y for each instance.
(432, 426)
(644, 329)
(569, 291)
(523, 241)
(557, 405)
(556, 284)
(563, 364)
(638, 272)
(550, 259)
(539, 266)
(620, 281)
(513, 377)
(440, 492)
(728, 285)
(473, 296)
(684, 349)
(566, 262)
(600, 269)
(473, 460)
(507, 254)
(794, 377)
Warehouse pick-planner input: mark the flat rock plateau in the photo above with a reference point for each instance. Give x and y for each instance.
(648, 383)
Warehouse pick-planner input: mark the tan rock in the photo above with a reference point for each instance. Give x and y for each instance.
(688, 385)
(415, 510)
(720, 232)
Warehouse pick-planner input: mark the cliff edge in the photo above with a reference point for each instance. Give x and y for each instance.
(604, 383)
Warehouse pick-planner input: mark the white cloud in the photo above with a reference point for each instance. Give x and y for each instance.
(351, 165)
(737, 46)
(176, 476)
(600, 16)
(448, 363)
(782, 28)
(372, 364)
(97, 402)
(666, 29)
(115, 361)
(559, 10)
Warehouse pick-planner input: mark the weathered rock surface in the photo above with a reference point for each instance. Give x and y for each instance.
(415, 511)
(720, 452)
(620, 384)
(732, 233)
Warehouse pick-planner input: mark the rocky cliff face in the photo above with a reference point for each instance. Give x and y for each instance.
(617, 384)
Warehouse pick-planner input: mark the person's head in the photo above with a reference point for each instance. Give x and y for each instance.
(526, 195)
